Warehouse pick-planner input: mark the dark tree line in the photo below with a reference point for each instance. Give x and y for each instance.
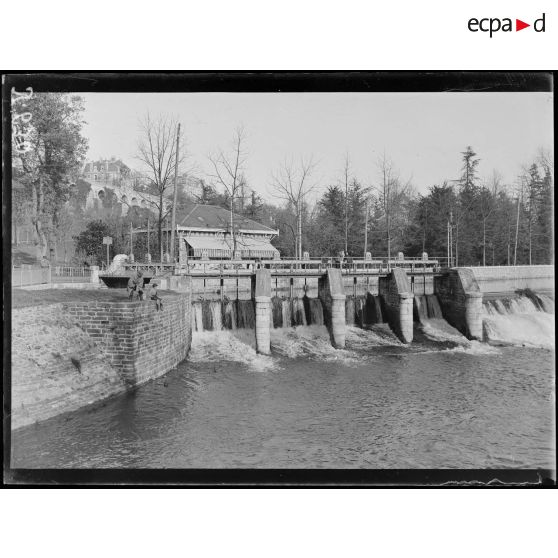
(488, 223)
(472, 220)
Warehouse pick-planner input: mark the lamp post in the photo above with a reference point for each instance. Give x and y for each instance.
(148, 244)
(131, 242)
(366, 229)
(108, 241)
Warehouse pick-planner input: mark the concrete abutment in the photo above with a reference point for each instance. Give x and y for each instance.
(261, 293)
(461, 301)
(332, 296)
(397, 298)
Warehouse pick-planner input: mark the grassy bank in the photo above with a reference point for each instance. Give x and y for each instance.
(56, 366)
(22, 298)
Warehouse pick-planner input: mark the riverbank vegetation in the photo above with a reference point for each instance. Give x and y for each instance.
(476, 219)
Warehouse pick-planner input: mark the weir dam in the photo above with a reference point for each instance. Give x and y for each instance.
(476, 303)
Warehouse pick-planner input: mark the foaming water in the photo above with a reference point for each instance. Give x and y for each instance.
(521, 320)
(228, 346)
(379, 335)
(433, 325)
(215, 315)
(437, 329)
(467, 347)
(311, 342)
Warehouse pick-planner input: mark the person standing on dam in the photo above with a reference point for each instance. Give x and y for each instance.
(135, 285)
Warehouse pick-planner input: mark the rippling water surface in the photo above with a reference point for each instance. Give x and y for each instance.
(377, 404)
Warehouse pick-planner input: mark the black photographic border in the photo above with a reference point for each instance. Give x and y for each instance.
(258, 81)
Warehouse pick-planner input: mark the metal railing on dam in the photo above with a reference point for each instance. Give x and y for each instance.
(226, 278)
(288, 267)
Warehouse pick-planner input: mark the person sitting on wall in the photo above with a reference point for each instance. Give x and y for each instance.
(154, 295)
(135, 285)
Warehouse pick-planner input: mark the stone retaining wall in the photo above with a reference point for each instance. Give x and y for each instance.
(68, 355)
(140, 342)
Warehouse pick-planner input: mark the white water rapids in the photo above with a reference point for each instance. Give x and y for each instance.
(520, 320)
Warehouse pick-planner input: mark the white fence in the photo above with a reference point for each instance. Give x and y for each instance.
(26, 275)
(67, 274)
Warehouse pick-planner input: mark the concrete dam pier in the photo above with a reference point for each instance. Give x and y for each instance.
(398, 298)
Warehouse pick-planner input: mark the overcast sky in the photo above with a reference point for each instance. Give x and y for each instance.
(423, 133)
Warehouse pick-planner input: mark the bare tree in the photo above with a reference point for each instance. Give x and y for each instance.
(391, 194)
(228, 172)
(546, 160)
(370, 199)
(292, 184)
(346, 172)
(157, 151)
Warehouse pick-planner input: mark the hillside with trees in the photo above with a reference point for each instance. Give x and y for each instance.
(477, 219)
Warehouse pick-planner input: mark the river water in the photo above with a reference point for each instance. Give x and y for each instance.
(442, 402)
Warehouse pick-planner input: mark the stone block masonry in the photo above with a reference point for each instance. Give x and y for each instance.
(332, 295)
(261, 292)
(69, 355)
(397, 299)
(140, 342)
(461, 301)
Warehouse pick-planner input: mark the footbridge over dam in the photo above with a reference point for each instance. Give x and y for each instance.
(263, 297)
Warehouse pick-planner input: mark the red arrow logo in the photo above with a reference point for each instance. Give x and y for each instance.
(519, 25)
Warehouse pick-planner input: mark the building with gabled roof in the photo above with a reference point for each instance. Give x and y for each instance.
(204, 233)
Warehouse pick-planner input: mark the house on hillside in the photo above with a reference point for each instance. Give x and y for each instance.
(204, 233)
(128, 186)
(106, 170)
